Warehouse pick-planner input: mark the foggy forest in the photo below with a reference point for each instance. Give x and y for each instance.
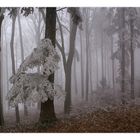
(69, 69)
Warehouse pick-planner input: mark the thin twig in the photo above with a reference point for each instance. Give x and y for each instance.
(61, 9)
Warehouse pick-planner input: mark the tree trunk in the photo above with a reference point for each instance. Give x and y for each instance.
(90, 69)
(47, 113)
(22, 57)
(87, 62)
(67, 103)
(75, 75)
(13, 62)
(82, 68)
(87, 75)
(123, 50)
(96, 53)
(105, 63)
(102, 58)
(67, 63)
(113, 78)
(132, 59)
(107, 66)
(1, 104)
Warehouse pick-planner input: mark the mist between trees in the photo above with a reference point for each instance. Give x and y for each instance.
(56, 61)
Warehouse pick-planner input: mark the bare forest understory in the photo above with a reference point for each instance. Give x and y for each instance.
(111, 119)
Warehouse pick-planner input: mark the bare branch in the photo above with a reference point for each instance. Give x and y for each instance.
(59, 46)
(65, 27)
(61, 31)
(63, 54)
(61, 9)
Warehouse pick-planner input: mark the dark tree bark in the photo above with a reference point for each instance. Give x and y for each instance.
(1, 104)
(132, 57)
(47, 113)
(122, 45)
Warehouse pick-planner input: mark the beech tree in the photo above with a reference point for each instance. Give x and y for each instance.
(88, 18)
(118, 26)
(13, 16)
(35, 87)
(82, 68)
(75, 19)
(134, 33)
(47, 112)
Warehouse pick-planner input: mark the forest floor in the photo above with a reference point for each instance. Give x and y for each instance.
(114, 119)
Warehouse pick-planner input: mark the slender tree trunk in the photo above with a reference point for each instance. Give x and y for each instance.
(102, 57)
(87, 62)
(113, 78)
(96, 53)
(105, 64)
(67, 103)
(90, 70)
(1, 103)
(22, 57)
(87, 73)
(47, 113)
(123, 50)
(75, 76)
(13, 62)
(68, 63)
(132, 59)
(82, 68)
(97, 78)
(108, 66)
